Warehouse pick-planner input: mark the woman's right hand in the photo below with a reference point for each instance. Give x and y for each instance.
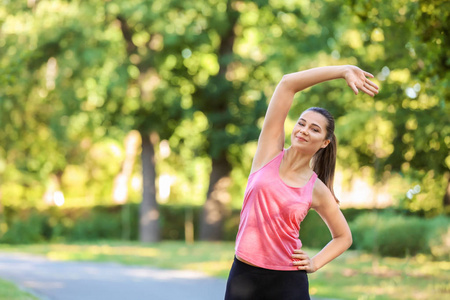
(357, 80)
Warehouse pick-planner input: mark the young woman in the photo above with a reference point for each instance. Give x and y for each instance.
(283, 185)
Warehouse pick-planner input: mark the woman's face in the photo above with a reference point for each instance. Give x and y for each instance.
(310, 132)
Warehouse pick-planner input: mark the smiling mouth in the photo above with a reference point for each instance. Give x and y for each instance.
(301, 139)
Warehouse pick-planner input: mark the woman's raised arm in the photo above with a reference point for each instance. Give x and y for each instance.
(271, 139)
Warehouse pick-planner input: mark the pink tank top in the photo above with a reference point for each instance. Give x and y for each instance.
(270, 218)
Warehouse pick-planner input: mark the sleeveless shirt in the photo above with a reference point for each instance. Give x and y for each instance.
(270, 218)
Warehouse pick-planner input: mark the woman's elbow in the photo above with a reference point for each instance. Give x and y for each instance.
(348, 240)
(286, 79)
(287, 82)
(344, 240)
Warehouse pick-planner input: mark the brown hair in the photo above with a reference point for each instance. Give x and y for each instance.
(324, 160)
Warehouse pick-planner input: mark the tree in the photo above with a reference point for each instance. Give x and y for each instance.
(111, 74)
(30, 149)
(231, 122)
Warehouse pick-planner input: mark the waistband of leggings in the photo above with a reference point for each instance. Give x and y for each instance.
(262, 270)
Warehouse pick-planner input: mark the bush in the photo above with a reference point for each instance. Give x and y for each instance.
(438, 238)
(90, 223)
(314, 232)
(172, 221)
(400, 236)
(102, 222)
(32, 229)
(364, 231)
(390, 235)
(97, 226)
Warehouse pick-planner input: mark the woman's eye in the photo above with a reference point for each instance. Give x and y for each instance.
(316, 130)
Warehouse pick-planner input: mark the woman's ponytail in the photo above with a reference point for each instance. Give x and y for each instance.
(324, 164)
(324, 161)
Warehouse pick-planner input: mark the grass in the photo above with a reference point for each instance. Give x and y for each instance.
(361, 276)
(351, 276)
(8, 291)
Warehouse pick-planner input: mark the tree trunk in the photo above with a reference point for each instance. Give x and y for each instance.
(149, 214)
(215, 207)
(446, 199)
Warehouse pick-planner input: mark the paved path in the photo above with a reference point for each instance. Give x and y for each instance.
(68, 280)
(62, 280)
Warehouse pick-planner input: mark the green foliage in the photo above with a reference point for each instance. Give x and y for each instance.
(100, 222)
(79, 181)
(96, 226)
(90, 223)
(200, 73)
(363, 232)
(393, 240)
(438, 238)
(173, 220)
(313, 231)
(386, 233)
(410, 129)
(30, 228)
(429, 201)
(399, 235)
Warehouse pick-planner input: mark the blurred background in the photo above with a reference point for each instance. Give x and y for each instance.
(137, 120)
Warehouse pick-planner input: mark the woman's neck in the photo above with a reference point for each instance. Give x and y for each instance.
(295, 161)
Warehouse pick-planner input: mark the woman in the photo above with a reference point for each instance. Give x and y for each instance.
(283, 185)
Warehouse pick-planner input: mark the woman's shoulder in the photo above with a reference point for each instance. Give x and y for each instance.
(321, 193)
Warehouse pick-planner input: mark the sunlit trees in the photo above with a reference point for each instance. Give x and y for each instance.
(107, 75)
(77, 76)
(408, 42)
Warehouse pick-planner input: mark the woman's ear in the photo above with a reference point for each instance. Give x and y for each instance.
(325, 143)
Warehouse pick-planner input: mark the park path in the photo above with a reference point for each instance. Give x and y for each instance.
(68, 280)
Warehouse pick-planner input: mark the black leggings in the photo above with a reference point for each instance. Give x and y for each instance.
(246, 282)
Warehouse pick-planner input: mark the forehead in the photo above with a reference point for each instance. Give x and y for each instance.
(314, 117)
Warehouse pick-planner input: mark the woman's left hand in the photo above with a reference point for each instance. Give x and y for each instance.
(357, 80)
(302, 260)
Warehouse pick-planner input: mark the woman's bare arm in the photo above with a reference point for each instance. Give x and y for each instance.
(326, 206)
(271, 139)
